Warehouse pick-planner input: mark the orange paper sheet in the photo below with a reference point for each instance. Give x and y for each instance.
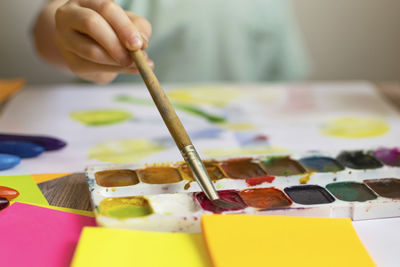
(246, 240)
(10, 87)
(41, 178)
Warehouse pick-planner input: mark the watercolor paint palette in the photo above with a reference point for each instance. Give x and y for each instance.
(164, 196)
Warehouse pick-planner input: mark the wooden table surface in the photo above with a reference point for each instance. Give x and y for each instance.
(72, 191)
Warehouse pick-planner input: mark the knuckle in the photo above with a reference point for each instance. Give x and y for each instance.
(106, 7)
(125, 35)
(116, 52)
(61, 13)
(89, 22)
(93, 53)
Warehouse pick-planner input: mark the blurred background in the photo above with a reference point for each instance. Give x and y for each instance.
(346, 39)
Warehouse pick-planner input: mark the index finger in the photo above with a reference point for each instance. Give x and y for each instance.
(126, 31)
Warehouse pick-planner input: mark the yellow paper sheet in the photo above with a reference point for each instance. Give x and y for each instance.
(245, 240)
(28, 190)
(116, 247)
(80, 212)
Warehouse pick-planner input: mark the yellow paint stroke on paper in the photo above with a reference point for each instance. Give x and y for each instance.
(238, 126)
(100, 117)
(356, 127)
(213, 96)
(260, 95)
(124, 150)
(258, 150)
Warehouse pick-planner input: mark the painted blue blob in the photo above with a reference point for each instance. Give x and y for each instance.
(8, 161)
(49, 143)
(321, 164)
(21, 149)
(207, 133)
(250, 138)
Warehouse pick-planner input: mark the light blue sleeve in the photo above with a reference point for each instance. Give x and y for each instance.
(224, 40)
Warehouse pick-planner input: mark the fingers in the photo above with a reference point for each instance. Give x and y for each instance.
(143, 26)
(80, 65)
(94, 37)
(86, 48)
(99, 78)
(126, 31)
(87, 21)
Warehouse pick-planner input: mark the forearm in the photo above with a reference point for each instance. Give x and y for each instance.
(44, 32)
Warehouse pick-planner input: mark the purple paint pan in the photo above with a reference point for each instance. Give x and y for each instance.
(389, 156)
(48, 143)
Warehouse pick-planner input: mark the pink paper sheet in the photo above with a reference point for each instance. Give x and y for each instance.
(36, 236)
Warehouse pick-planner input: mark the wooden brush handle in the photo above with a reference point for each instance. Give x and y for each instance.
(161, 100)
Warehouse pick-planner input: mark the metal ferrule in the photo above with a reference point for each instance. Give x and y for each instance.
(194, 162)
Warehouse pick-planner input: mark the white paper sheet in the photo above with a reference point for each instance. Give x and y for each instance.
(290, 117)
(382, 240)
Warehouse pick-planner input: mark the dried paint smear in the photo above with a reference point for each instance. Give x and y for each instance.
(188, 108)
(259, 180)
(305, 178)
(124, 151)
(213, 96)
(100, 117)
(354, 127)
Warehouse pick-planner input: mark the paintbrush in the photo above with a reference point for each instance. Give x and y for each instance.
(177, 130)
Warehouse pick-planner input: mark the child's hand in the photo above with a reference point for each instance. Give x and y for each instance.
(94, 37)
